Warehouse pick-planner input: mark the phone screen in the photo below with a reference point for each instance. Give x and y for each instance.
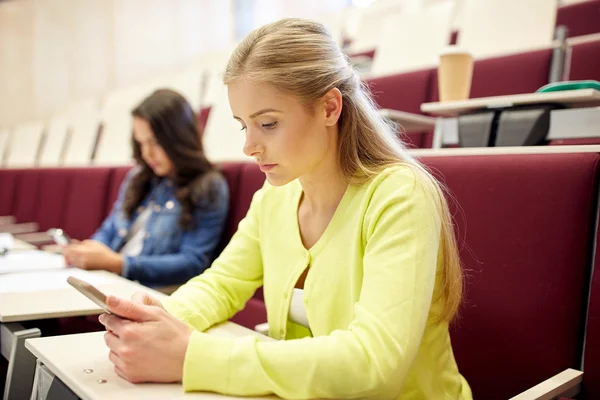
(90, 292)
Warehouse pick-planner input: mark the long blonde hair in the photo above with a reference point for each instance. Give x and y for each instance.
(301, 58)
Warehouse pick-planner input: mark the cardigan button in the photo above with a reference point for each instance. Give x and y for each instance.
(122, 232)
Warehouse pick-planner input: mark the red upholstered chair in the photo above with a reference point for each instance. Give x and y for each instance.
(591, 354)
(525, 232)
(513, 74)
(231, 171)
(55, 184)
(26, 196)
(116, 178)
(25, 200)
(8, 183)
(590, 389)
(585, 59)
(86, 201)
(203, 117)
(244, 180)
(404, 92)
(580, 18)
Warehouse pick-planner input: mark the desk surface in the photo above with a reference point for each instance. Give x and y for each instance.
(409, 122)
(68, 356)
(64, 301)
(21, 245)
(571, 98)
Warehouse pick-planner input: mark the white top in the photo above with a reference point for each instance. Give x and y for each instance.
(297, 308)
(135, 239)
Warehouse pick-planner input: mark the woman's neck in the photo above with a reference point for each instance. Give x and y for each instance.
(324, 187)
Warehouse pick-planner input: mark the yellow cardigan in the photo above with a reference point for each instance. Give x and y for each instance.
(368, 298)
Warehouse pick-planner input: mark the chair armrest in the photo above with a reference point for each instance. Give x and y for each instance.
(27, 227)
(564, 384)
(7, 219)
(263, 328)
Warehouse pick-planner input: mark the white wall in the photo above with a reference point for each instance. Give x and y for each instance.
(54, 52)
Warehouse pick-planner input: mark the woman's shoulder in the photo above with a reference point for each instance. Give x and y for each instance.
(209, 189)
(402, 181)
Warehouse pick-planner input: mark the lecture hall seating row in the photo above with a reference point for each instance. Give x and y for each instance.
(526, 225)
(505, 75)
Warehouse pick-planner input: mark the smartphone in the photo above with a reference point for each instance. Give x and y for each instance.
(90, 292)
(59, 236)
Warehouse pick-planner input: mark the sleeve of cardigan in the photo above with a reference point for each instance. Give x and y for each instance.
(224, 288)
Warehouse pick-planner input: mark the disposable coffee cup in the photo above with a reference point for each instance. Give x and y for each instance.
(455, 73)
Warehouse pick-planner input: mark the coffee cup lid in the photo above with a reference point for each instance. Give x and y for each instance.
(455, 50)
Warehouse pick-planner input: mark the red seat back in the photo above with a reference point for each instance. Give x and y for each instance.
(580, 18)
(585, 60)
(591, 355)
(203, 118)
(404, 92)
(26, 199)
(86, 201)
(525, 231)
(55, 185)
(114, 184)
(8, 186)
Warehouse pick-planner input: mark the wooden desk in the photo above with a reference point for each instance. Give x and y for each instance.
(570, 98)
(63, 301)
(409, 122)
(21, 245)
(68, 357)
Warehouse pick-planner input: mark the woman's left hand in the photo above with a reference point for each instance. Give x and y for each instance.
(93, 255)
(147, 344)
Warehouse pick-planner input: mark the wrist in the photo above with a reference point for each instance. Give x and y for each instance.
(117, 264)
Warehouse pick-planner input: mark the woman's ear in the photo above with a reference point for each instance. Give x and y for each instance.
(332, 103)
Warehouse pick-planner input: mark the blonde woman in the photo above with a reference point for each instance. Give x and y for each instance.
(351, 237)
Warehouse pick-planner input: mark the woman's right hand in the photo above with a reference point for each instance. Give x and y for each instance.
(145, 299)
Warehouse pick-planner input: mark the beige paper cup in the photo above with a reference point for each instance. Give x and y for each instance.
(455, 73)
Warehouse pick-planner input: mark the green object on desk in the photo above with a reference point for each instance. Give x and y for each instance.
(569, 85)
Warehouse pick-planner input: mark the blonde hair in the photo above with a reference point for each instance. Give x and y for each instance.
(301, 58)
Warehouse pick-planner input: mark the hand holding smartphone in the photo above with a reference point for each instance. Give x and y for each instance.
(59, 236)
(90, 292)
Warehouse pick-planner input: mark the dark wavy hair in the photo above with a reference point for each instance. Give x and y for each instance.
(175, 127)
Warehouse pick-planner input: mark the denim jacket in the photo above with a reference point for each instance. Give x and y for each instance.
(170, 254)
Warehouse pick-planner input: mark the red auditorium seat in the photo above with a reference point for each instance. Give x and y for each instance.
(116, 178)
(26, 198)
(8, 183)
(580, 18)
(203, 118)
(513, 74)
(404, 92)
(591, 355)
(53, 191)
(527, 274)
(244, 180)
(585, 60)
(86, 201)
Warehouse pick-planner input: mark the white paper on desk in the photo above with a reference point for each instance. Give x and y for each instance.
(7, 241)
(47, 280)
(30, 260)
